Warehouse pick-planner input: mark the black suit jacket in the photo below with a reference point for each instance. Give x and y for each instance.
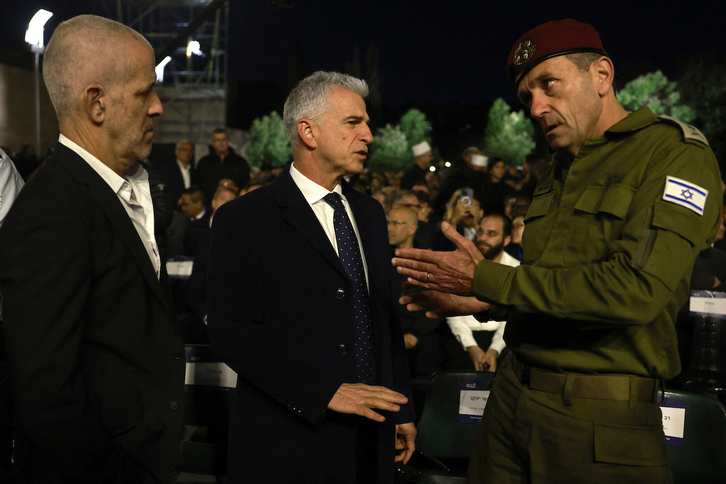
(281, 315)
(174, 186)
(97, 365)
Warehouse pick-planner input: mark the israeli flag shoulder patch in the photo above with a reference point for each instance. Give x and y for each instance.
(685, 194)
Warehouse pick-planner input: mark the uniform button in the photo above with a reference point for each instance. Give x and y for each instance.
(301, 410)
(177, 355)
(340, 293)
(342, 349)
(174, 406)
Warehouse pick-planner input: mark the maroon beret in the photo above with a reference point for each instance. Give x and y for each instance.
(548, 40)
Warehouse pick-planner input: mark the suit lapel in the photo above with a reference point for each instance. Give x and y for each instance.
(109, 203)
(297, 212)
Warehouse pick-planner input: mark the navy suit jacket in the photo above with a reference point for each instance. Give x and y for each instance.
(281, 315)
(97, 365)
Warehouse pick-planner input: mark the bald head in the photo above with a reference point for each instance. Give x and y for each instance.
(87, 50)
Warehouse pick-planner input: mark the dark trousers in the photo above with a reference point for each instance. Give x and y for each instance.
(365, 456)
(530, 436)
(7, 409)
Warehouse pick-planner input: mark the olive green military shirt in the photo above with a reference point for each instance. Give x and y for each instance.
(607, 254)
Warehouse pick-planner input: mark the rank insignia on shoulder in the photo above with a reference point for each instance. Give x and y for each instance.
(685, 194)
(689, 132)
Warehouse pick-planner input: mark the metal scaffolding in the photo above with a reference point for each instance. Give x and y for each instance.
(194, 89)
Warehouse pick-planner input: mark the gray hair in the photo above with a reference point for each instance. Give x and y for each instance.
(178, 145)
(85, 50)
(309, 99)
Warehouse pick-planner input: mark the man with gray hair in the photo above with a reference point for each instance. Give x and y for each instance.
(302, 305)
(97, 365)
(180, 174)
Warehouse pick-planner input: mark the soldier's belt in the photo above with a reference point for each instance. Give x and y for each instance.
(601, 387)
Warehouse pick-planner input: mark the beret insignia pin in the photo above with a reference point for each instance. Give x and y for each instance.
(524, 52)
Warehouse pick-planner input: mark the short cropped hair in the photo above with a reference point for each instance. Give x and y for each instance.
(83, 51)
(195, 193)
(179, 144)
(221, 190)
(309, 99)
(423, 197)
(583, 60)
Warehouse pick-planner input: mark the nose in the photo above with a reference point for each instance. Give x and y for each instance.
(366, 134)
(156, 109)
(539, 105)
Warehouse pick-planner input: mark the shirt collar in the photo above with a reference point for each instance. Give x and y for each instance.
(133, 173)
(311, 190)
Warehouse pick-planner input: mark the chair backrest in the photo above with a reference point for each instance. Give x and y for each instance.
(208, 399)
(442, 431)
(702, 457)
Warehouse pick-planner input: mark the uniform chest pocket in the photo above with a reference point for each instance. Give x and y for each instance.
(536, 230)
(600, 214)
(614, 200)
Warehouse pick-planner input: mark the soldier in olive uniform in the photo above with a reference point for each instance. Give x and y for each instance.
(612, 233)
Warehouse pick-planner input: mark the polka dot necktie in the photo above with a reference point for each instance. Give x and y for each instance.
(350, 257)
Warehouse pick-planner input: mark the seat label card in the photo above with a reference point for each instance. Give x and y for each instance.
(472, 400)
(674, 420)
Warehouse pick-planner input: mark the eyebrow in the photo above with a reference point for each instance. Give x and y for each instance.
(360, 119)
(525, 95)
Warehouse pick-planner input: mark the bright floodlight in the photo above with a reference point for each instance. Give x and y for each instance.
(193, 48)
(160, 69)
(34, 34)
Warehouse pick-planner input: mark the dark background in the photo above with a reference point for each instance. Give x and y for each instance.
(446, 58)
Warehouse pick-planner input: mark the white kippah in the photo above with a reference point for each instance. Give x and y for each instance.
(420, 148)
(479, 160)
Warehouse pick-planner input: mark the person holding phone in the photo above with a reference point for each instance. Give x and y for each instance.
(464, 212)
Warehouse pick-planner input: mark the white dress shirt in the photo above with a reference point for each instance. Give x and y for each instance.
(463, 326)
(314, 194)
(134, 194)
(10, 184)
(186, 176)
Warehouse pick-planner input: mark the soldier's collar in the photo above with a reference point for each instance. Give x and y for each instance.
(639, 119)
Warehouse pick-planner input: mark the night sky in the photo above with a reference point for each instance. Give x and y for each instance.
(430, 51)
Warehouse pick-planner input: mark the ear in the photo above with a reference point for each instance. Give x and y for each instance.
(94, 103)
(306, 131)
(507, 240)
(603, 73)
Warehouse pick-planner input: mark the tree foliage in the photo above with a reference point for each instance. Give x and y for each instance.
(416, 127)
(704, 90)
(390, 150)
(509, 135)
(268, 140)
(658, 93)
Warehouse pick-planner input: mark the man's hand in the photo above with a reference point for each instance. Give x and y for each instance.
(410, 340)
(483, 360)
(405, 441)
(490, 360)
(359, 399)
(450, 272)
(478, 357)
(440, 305)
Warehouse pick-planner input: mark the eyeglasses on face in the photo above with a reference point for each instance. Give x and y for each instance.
(398, 222)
